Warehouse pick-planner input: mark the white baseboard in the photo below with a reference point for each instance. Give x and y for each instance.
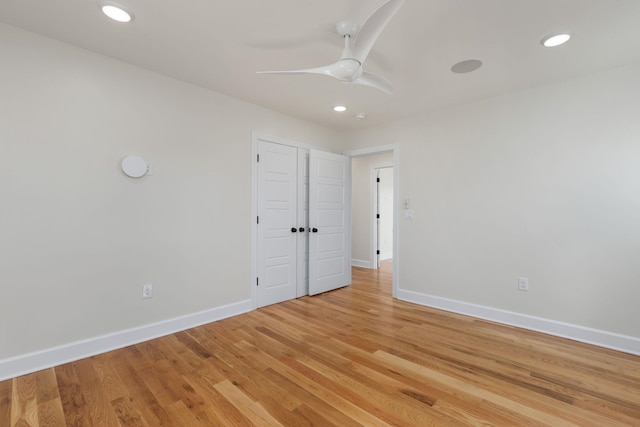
(32, 362)
(597, 337)
(361, 263)
(385, 256)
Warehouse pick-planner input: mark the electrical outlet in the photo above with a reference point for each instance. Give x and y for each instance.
(147, 290)
(523, 284)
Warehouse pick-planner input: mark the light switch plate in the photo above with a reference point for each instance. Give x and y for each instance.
(147, 291)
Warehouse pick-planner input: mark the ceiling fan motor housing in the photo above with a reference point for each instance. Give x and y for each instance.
(346, 69)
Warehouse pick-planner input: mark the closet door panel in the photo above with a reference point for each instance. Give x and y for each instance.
(330, 221)
(277, 216)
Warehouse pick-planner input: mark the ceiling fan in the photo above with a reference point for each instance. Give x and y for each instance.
(348, 69)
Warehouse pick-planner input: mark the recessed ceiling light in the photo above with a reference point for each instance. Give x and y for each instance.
(466, 66)
(116, 12)
(555, 40)
(339, 108)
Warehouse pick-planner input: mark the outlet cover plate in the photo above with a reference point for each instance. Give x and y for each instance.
(523, 284)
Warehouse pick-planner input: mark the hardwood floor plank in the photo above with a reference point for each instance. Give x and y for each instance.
(309, 417)
(251, 409)
(6, 388)
(219, 410)
(128, 412)
(70, 394)
(46, 386)
(162, 391)
(97, 409)
(181, 415)
(109, 380)
(350, 358)
(188, 340)
(24, 404)
(50, 413)
(150, 409)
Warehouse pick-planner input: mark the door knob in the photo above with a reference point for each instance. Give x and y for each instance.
(315, 230)
(301, 229)
(293, 229)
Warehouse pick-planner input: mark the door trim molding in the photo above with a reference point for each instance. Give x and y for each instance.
(395, 149)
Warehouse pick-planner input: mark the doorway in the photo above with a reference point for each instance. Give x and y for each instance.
(383, 214)
(366, 166)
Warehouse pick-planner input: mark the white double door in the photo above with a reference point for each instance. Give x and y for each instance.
(303, 224)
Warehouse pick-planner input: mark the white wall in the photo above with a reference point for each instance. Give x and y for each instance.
(78, 238)
(362, 206)
(544, 184)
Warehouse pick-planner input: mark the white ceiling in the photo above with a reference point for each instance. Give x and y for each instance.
(220, 44)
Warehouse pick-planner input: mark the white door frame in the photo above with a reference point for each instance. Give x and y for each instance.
(395, 149)
(374, 208)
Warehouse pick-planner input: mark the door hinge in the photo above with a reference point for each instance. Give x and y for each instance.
(258, 158)
(257, 220)
(378, 252)
(377, 179)
(257, 281)
(377, 216)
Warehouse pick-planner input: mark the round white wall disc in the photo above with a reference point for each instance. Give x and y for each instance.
(134, 166)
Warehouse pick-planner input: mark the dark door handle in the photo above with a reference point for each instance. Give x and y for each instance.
(315, 230)
(293, 229)
(301, 229)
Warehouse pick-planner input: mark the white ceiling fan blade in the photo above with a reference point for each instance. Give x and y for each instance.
(375, 81)
(371, 29)
(343, 70)
(326, 70)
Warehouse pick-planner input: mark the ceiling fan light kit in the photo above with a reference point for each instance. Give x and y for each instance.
(349, 69)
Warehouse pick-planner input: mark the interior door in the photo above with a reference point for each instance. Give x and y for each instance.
(330, 221)
(277, 228)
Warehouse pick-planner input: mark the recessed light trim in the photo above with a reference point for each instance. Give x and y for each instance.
(554, 40)
(339, 108)
(116, 12)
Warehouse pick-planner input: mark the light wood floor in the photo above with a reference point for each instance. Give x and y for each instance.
(352, 357)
